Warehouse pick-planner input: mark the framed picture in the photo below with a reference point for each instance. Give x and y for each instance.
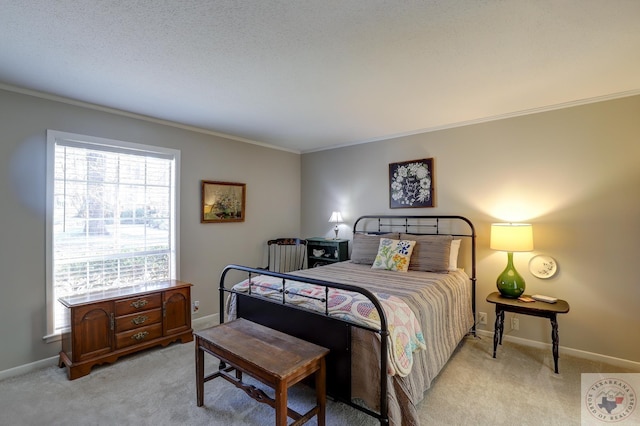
(222, 202)
(411, 184)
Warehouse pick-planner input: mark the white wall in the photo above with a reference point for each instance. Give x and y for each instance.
(574, 173)
(273, 208)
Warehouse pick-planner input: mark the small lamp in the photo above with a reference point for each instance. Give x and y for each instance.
(337, 218)
(511, 237)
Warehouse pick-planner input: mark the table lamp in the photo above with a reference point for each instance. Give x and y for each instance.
(511, 237)
(337, 218)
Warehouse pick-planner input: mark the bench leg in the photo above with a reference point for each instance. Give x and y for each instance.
(281, 404)
(199, 374)
(321, 392)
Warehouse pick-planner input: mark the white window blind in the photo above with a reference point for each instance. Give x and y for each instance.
(112, 217)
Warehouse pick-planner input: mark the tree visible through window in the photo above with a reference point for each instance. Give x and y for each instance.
(112, 216)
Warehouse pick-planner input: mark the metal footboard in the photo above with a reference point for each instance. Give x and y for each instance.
(281, 320)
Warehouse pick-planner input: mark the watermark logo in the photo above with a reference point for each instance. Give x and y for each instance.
(610, 398)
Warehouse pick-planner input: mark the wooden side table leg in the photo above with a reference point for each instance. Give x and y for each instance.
(497, 329)
(554, 339)
(199, 374)
(321, 393)
(281, 403)
(501, 325)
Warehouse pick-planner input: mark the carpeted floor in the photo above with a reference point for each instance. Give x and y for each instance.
(157, 387)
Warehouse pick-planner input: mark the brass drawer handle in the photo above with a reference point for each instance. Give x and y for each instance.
(139, 303)
(140, 319)
(139, 336)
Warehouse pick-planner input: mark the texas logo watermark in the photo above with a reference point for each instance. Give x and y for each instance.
(610, 398)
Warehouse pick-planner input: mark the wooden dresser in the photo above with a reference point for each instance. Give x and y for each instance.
(106, 325)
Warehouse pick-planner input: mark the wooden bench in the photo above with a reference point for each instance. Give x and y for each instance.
(274, 358)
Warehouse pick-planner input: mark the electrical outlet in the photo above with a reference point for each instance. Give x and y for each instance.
(515, 324)
(482, 317)
(195, 306)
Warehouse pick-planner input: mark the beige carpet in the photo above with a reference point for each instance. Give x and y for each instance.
(156, 387)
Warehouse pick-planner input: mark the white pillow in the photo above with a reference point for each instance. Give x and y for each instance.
(453, 255)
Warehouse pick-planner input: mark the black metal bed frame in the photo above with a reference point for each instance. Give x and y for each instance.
(334, 333)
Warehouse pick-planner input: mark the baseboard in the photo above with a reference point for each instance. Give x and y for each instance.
(197, 324)
(205, 322)
(214, 319)
(618, 362)
(27, 368)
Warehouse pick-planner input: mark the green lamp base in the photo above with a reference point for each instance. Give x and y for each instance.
(510, 283)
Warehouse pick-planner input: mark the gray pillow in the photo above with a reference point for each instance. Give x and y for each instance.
(431, 252)
(365, 247)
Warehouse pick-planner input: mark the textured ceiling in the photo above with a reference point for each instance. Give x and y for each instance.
(312, 74)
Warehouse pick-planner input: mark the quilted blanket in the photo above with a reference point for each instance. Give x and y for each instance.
(405, 334)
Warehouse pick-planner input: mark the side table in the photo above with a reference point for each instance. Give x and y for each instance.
(537, 309)
(322, 251)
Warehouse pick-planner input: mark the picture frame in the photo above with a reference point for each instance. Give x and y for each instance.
(411, 184)
(222, 202)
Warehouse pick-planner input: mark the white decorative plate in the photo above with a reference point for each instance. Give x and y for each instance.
(543, 266)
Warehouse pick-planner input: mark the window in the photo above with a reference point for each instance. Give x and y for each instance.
(111, 217)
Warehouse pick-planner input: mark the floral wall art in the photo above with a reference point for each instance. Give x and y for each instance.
(222, 202)
(411, 184)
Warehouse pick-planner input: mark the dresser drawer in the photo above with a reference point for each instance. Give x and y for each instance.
(139, 319)
(138, 304)
(138, 335)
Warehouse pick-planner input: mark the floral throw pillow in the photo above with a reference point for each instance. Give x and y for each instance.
(393, 255)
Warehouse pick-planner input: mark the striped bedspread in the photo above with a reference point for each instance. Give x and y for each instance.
(442, 304)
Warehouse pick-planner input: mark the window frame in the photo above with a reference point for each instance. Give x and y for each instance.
(52, 139)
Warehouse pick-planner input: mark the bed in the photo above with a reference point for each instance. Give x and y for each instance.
(415, 312)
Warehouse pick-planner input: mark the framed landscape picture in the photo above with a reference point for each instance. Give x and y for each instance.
(411, 184)
(222, 202)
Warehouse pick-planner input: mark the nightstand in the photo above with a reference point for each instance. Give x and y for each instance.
(322, 251)
(537, 309)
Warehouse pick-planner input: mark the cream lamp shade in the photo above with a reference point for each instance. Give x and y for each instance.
(511, 237)
(335, 217)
